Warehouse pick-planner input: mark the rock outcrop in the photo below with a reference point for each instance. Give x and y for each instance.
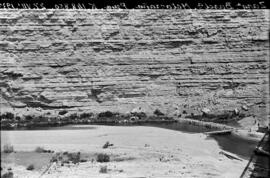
(118, 60)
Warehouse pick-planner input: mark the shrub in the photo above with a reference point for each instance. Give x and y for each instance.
(39, 119)
(139, 114)
(119, 159)
(86, 115)
(103, 169)
(105, 114)
(30, 167)
(158, 112)
(83, 160)
(8, 115)
(17, 118)
(62, 112)
(74, 157)
(54, 159)
(73, 116)
(101, 157)
(29, 118)
(40, 150)
(107, 144)
(64, 162)
(8, 174)
(8, 149)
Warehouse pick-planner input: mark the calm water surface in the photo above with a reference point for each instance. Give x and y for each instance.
(234, 144)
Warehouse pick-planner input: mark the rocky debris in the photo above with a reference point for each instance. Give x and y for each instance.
(244, 107)
(236, 111)
(136, 110)
(205, 111)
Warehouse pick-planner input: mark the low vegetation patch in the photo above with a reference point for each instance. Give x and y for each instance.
(42, 150)
(86, 115)
(7, 115)
(8, 174)
(140, 115)
(74, 157)
(8, 148)
(63, 112)
(120, 159)
(66, 157)
(30, 167)
(103, 169)
(72, 116)
(106, 145)
(39, 150)
(157, 112)
(222, 117)
(29, 118)
(102, 157)
(9, 121)
(83, 160)
(106, 114)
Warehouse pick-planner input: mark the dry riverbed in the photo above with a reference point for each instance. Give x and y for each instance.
(136, 152)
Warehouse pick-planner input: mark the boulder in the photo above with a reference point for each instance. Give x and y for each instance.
(205, 110)
(136, 110)
(244, 107)
(236, 111)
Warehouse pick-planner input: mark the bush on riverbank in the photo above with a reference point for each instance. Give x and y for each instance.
(223, 117)
(157, 112)
(30, 167)
(106, 114)
(63, 112)
(140, 115)
(7, 115)
(102, 157)
(8, 148)
(107, 117)
(86, 115)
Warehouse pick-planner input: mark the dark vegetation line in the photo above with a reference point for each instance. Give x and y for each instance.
(11, 121)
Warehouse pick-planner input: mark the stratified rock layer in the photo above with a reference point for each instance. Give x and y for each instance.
(118, 60)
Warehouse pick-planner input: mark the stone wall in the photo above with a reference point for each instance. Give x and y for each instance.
(118, 60)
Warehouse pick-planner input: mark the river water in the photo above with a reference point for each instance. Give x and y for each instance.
(231, 143)
(237, 145)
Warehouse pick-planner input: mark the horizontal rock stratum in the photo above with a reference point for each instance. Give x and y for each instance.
(118, 60)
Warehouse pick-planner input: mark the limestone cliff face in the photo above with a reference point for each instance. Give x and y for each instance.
(122, 59)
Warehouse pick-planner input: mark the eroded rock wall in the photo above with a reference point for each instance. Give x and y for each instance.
(117, 60)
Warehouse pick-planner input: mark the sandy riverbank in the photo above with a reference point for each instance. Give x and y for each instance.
(155, 152)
